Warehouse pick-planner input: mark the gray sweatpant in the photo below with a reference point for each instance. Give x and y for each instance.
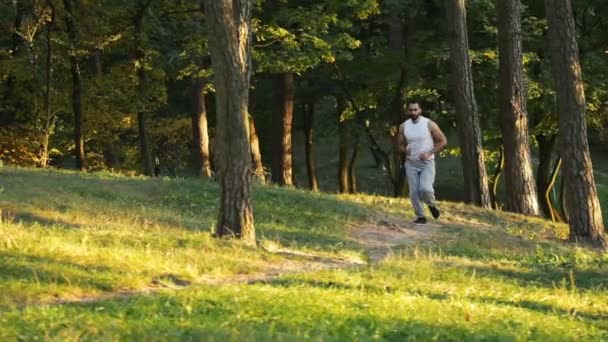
(420, 178)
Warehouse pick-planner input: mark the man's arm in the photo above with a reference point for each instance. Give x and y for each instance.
(401, 142)
(438, 137)
(439, 140)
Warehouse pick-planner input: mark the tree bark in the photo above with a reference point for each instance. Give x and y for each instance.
(582, 203)
(256, 154)
(8, 113)
(95, 62)
(519, 178)
(401, 40)
(553, 213)
(562, 199)
(282, 162)
(229, 43)
(309, 119)
(343, 184)
(352, 175)
(111, 155)
(200, 134)
(145, 150)
(546, 154)
(48, 118)
(496, 177)
(469, 131)
(76, 87)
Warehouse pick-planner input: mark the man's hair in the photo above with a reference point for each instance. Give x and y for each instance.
(409, 102)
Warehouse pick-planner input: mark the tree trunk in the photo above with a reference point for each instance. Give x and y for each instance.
(546, 156)
(562, 199)
(229, 41)
(200, 133)
(76, 87)
(553, 213)
(144, 140)
(519, 178)
(110, 155)
(352, 177)
(400, 40)
(256, 154)
(496, 177)
(282, 161)
(309, 118)
(469, 131)
(145, 151)
(48, 119)
(343, 184)
(142, 116)
(8, 112)
(582, 203)
(95, 62)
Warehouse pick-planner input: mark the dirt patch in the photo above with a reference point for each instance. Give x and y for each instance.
(377, 237)
(385, 232)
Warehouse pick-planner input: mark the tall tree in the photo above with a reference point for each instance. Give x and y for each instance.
(343, 145)
(519, 179)
(76, 85)
(400, 43)
(294, 37)
(200, 132)
(282, 162)
(583, 206)
(193, 63)
(8, 114)
(469, 130)
(256, 155)
(308, 112)
(145, 149)
(229, 23)
(48, 117)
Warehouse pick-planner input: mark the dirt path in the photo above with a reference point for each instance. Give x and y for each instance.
(378, 237)
(385, 232)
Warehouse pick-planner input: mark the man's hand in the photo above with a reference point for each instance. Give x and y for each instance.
(425, 156)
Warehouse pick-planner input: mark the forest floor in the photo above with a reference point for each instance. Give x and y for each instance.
(106, 257)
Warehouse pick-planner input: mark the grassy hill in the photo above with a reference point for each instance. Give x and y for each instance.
(105, 257)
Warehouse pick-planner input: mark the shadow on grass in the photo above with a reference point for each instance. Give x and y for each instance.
(28, 217)
(535, 306)
(494, 245)
(291, 217)
(329, 284)
(544, 308)
(39, 272)
(539, 275)
(215, 315)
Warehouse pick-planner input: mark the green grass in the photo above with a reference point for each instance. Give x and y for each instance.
(68, 235)
(485, 276)
(417, 294)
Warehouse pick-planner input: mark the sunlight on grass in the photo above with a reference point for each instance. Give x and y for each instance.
(67, 234)
(486, 275)
(413, 295)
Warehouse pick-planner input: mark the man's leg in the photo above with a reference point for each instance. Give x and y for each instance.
(412, 171)
(427, 193)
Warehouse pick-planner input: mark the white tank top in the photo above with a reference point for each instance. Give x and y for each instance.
(418, 137)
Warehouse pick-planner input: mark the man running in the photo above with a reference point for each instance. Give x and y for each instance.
(420, 138)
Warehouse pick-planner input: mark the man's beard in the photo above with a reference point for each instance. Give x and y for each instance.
(414, 117)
